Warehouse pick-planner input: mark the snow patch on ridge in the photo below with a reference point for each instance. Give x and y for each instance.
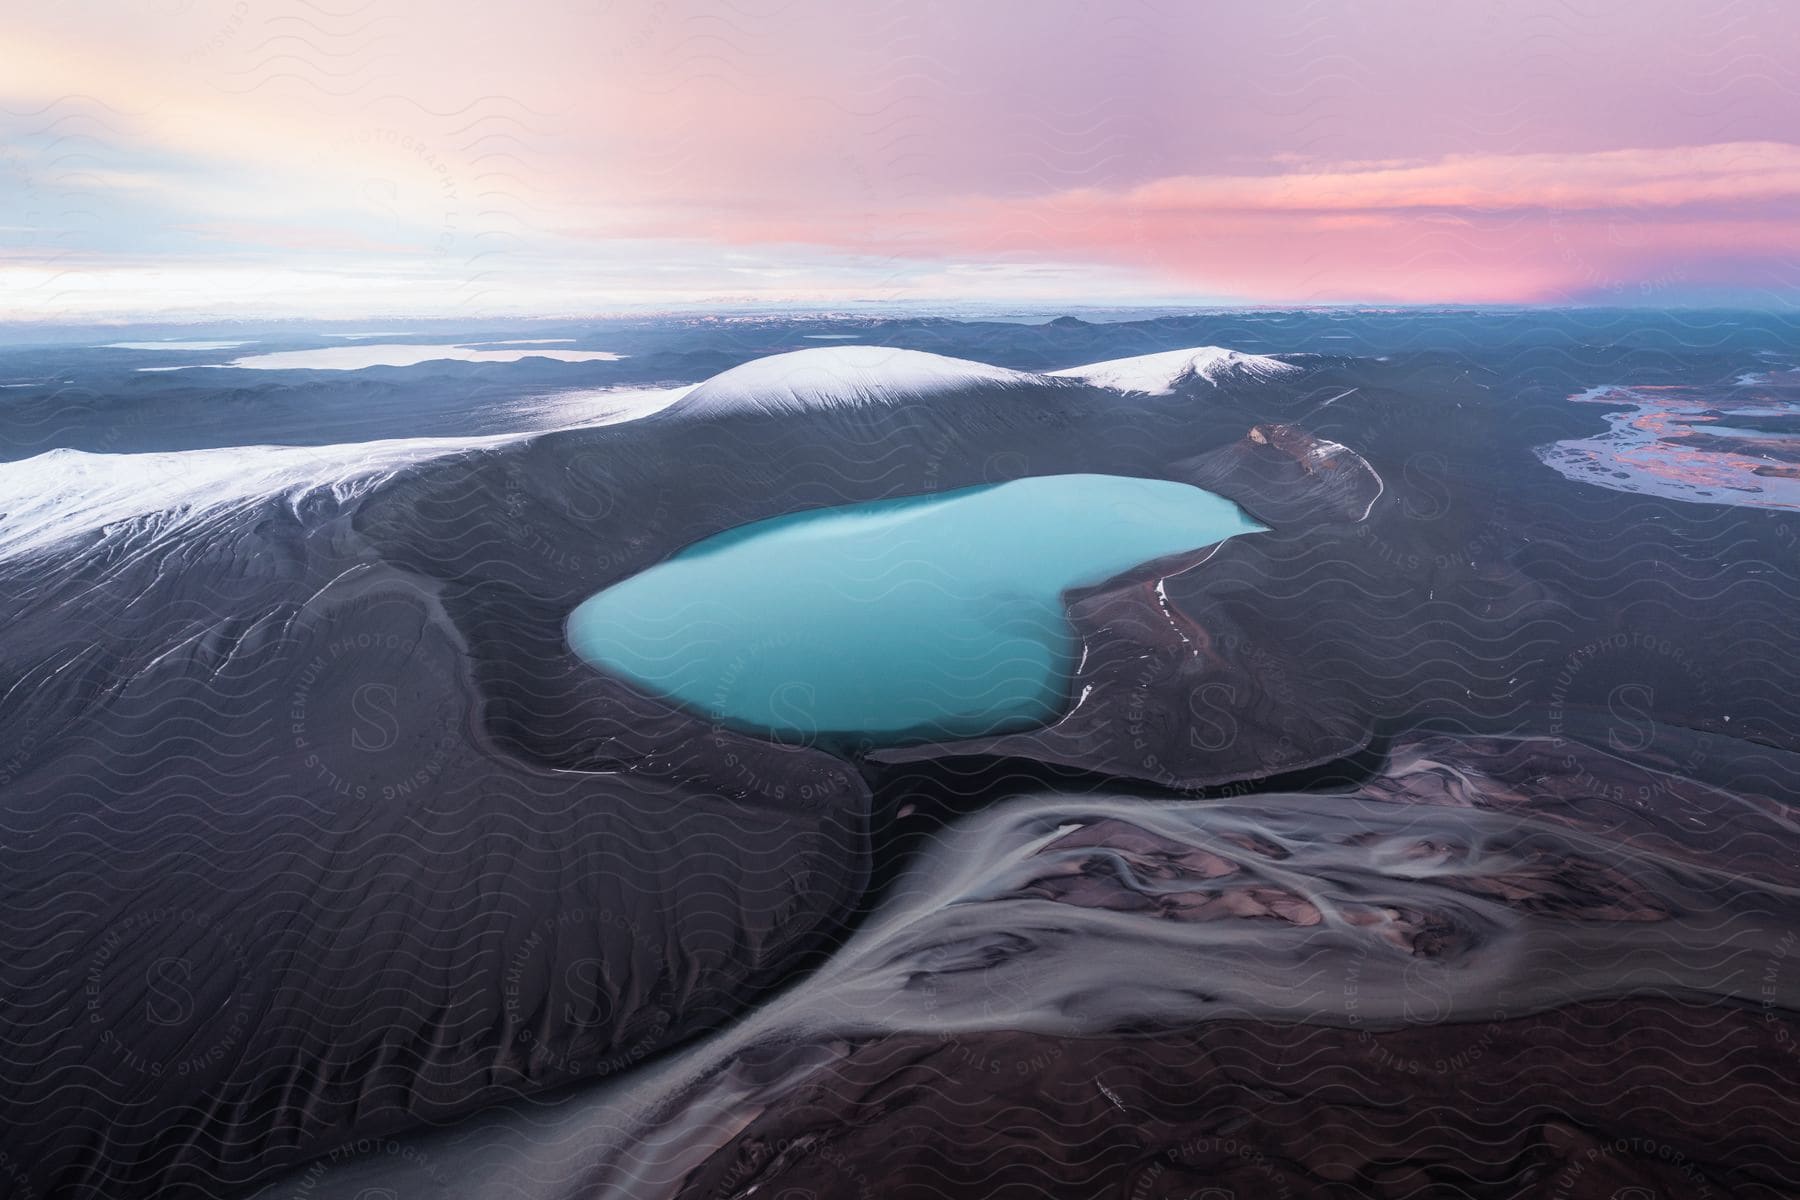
(845, 377)
(1159, 374)
(65, 493)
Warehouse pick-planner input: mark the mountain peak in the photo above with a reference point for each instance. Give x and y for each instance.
(842, 377)
(1163, 372)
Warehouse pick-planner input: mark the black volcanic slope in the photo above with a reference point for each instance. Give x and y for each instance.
(324, 774)
(312, 829)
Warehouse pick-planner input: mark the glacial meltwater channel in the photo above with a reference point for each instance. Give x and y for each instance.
(924, 617)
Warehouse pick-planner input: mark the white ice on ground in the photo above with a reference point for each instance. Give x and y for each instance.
(844, 377)
(588, 407)
(1161, 373)
(63, 493)
(66, 493)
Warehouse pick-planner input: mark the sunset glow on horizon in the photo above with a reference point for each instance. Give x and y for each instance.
(170, 158)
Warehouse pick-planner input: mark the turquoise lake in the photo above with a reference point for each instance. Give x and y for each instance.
(931, 616)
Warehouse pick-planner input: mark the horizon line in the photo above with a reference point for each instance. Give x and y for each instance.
(947, 309)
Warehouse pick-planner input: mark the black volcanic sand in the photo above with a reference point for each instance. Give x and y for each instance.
(1596, 1101)
(314, 829)
(1407, 1050)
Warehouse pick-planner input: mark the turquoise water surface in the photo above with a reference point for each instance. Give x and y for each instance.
(923, 617)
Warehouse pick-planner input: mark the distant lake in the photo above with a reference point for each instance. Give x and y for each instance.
(399, 354)
(922, 617)
(1646, 449)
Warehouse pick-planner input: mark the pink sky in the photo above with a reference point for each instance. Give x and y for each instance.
(338, 157)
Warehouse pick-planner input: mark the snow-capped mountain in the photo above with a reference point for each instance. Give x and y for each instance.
(844, 377)
(1159, 374)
